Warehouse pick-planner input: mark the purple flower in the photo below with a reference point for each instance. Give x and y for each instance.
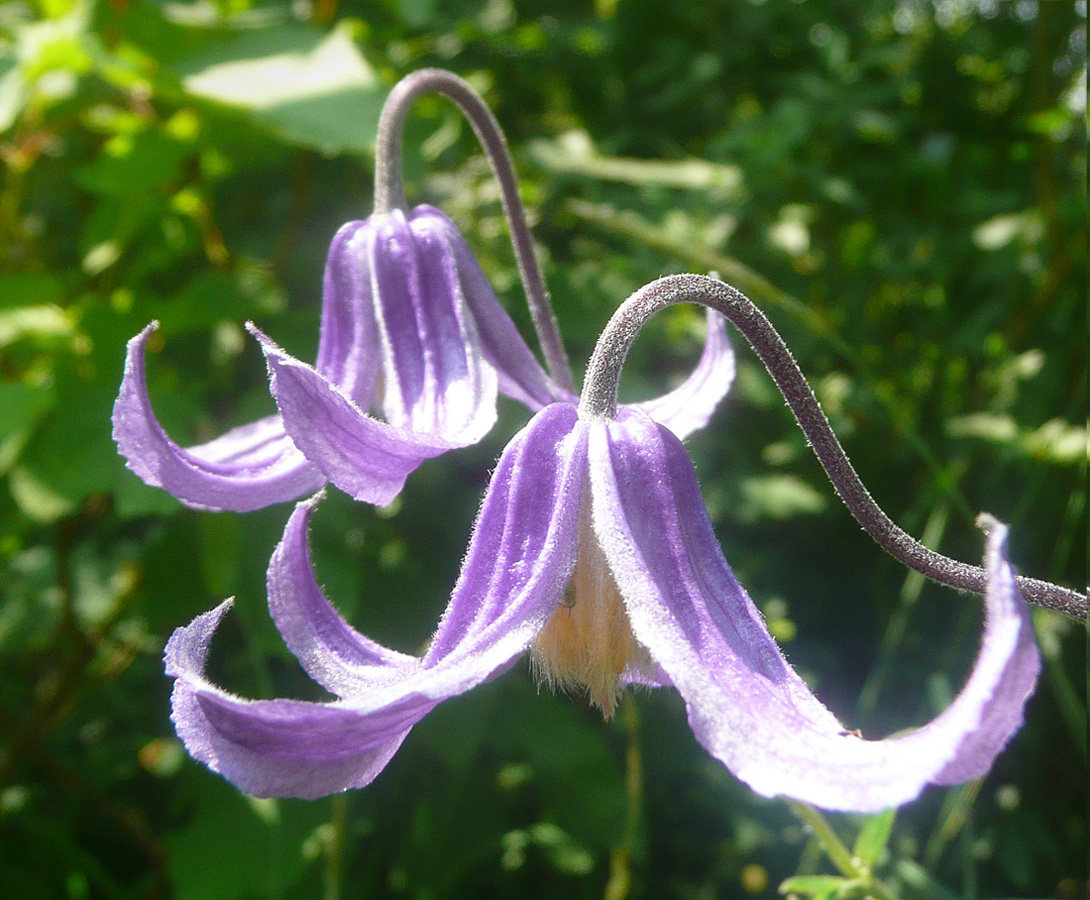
(409, 323)
(336, 435)
(594, 553)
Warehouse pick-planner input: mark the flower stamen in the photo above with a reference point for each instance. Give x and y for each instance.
(588, 644)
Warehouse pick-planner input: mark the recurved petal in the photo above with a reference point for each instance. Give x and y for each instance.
(1001, 675)
(435, 377)
(520, 375)
(518, 561)
(688, 407)
(272, 748)
(364, 457)
(333, 653)
(249, 467)
(746, 705)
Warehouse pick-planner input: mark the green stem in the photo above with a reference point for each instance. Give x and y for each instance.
(835, 848)
(620, 864)
(848, 865)
(897, 626)
(334, 847)
(956, 810)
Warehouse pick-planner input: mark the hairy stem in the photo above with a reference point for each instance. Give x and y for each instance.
(390, 191)
(599, 400)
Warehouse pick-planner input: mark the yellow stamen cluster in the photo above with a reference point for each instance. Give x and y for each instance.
(588, 642)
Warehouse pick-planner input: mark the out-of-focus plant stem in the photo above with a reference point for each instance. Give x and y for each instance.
(620, 864)
(848, 865)
(956, 811)
(898, 622)
(334, 847)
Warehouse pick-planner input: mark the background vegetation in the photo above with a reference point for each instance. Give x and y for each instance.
(901, 185)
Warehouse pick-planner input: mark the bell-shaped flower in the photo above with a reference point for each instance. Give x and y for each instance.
(593, 553)
(409, 325)
(336, 434)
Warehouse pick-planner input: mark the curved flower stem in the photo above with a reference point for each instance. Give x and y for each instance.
(390, 191)
(599, 400)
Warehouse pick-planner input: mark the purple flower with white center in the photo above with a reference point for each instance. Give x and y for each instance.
(594, 552)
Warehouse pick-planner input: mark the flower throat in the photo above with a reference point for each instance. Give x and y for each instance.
(588, 642)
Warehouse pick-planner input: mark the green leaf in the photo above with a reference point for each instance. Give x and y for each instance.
(21, 406)
(314, 88)
(147, 163)
(778, 497)
(37, 499)
(1056, 441)
(70, 455)
(210, 297)
(253, 847)
(873, 836)
(13, 91)
(574, 153)
(22, 289)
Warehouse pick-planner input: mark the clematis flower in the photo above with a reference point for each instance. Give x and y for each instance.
(409, 324)
(594, 555)
(338, 437)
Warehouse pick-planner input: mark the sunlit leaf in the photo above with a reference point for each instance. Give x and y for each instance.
(315, 89)
(33, 321)
(778, 497)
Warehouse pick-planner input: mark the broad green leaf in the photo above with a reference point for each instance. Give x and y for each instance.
(70, 455)
(209, 297)
(17, 290)
(238, 847)
(873, 836)
(129, 166)
(315, 89)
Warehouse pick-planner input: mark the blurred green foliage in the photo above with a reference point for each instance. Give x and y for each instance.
(901, 185)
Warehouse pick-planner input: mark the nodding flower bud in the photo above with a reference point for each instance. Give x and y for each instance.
(408, 305)
(417, 303)
(410, 325)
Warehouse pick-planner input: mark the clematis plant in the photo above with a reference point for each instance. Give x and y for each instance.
(333, 429)
(593, 553)
(409, 323)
